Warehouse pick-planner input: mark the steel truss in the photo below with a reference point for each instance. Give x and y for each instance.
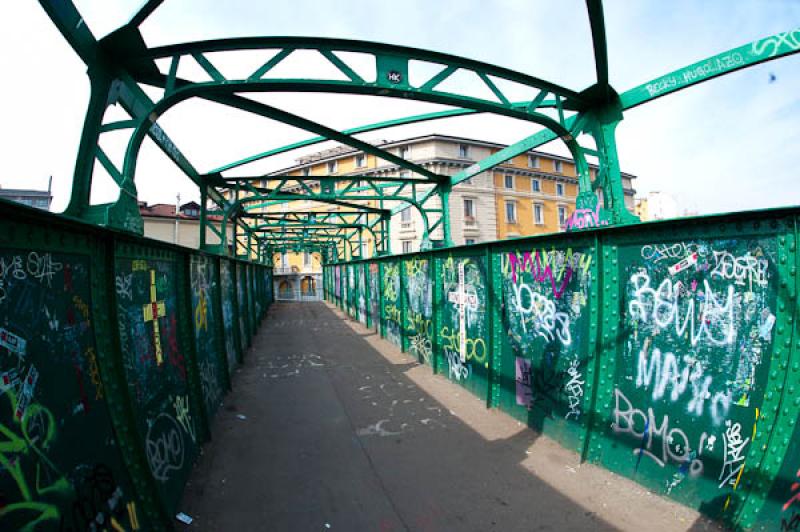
(119, 64)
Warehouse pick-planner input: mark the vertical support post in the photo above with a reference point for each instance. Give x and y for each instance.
(445, 189)
(437, 304)
(601, 122)
(494, 292)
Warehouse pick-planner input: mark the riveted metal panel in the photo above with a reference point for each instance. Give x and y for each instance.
(60, 381)
(546, 349)
(154, 344)
(466, 362)
(208, 331)
(418, 304)
(391, 309)
(689, 315)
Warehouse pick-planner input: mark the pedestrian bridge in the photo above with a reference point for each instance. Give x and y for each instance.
(544, 381)
(620, 375)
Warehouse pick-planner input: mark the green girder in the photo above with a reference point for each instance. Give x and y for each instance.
(121, 61)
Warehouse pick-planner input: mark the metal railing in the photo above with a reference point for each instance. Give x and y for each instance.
(299, 295)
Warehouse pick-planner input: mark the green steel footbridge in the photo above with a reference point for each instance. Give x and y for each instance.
(668, 352)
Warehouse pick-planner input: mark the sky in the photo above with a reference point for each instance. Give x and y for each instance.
(726, 145)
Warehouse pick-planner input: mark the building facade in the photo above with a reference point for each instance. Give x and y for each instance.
(530, 194)
(40, 199)
(161, 223)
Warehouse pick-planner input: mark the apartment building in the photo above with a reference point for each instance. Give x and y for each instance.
(530, 194)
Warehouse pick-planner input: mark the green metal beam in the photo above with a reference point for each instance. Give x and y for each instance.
(760, 51)
(598, 25)
(352, 131)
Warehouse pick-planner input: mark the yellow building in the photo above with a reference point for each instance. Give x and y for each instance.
(531, 194)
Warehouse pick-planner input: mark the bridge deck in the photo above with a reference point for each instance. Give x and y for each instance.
(341, 431)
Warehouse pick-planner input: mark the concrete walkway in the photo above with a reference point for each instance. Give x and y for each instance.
(343, 432)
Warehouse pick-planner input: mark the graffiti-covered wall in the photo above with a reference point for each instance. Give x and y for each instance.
(113, 358)
(666, 352)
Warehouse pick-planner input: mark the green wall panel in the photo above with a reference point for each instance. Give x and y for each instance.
(547, 355)
(361, 298)
(691, 364)
(53, 396)
(470, 368)
(156, 371)
(231, 330)
(208, 331)
(391, 312)
(418, 305)
(374, 294)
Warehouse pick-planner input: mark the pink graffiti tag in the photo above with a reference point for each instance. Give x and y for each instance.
(539, 272)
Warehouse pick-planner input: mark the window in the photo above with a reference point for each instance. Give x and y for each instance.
(406, 246)
(533, 161)
(469, 241)
(361, 160)
(469, 208)
(404, 152)
(558, 166)
(562, 215)
(509, 181)
(536, 185)
(559, 189)
(538, 214)
(307, 171)
(511, 212)
(285, 259)
(333, 167)
(405, 215)
(306, 258)
(463, 151)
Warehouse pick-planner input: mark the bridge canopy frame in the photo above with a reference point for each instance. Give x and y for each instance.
(121, 63)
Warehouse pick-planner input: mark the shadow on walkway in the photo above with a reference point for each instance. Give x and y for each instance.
(339, 435)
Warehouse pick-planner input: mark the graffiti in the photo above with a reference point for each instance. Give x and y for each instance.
(201, 313)
(82, 307)
(661, 252)
(457, 369)
(522, 378)
(392, 313)
(209, 381)
(664, 371)
(782, 42)
(540, 313)
(98, 502)
(586, 218)
(474, 348)
(674, 443)
(663, 307)
(181, 405)
(391, 281)
(733, 455)
(574, 390)
(26, 394)
(738, 269)
(23, 451)
(124, 286)
(12, 268)
(94, 373)
(555, 267)
(164, 447)
(12, 342)
(152, 311)
(43, 267)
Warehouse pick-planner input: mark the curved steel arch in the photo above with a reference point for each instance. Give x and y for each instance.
(120, 61)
